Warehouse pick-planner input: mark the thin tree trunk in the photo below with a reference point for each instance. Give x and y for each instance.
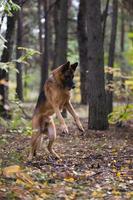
(62, 46)
(25, 82)
(105, 18)
(50, 39)
(122, 48)
(57, 29)
(112, 57)
(6, 57)
(96, 85)
(61, 32)
(122, 30)
(82, 40)
(19, 88)
(45, 58)
(40, 27)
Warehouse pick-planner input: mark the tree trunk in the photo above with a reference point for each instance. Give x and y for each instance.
(6, 57)
(96, 85)
(61, 31)
(105, 14)
(111, 57)
(19, 88)
(61, 28)
(82, 41)
(40, 27)
(51, 39)
(45, 55)
(56, 27)
(122, 48)
(122, 30)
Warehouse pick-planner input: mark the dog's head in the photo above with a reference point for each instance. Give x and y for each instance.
(65, 74)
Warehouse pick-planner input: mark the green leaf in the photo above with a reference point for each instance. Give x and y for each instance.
(130, 35)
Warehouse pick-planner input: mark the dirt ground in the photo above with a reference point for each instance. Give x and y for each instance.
(93, 165)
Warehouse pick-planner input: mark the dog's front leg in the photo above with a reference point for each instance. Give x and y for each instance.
(75, 116)
(63, 125)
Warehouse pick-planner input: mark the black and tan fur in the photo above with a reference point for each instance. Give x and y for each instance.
(54, 97)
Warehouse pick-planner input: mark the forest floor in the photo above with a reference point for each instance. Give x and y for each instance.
(93, 165)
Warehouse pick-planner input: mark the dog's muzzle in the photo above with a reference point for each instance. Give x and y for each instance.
(69, 84)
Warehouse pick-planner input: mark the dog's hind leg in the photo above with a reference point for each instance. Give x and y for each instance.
(36, 142)
(52, 137)
(36, 137)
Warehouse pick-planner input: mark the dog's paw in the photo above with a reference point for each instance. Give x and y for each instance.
(56, 156)
(64, 128)
(79, 125)
(81, 128)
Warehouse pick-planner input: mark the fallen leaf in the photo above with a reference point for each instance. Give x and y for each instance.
(11, 170)
(70, 179)
(118, 174)
(129, 194)
(116, 193)
(98, 194)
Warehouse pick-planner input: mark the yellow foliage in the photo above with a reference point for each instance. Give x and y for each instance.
(98, 194)
(129, 194)
(116, 193)
(22, 178)
(69, 179)
(118, 174)
(11, 170)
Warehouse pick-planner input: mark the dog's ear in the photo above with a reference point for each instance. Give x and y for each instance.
(74, 66)
(61, 68)
(65, 66)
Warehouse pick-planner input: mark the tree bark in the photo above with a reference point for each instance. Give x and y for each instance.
(61, 32)
(40, 27)
(19, 88)
(82, 41)
(61, 29)
(111, 57)
(105, 15)
(122, 47)
(45, 55)
(62, 48)
(51, 38)
(6, 57)
(96, 85)
(56, 27)
(122, 30)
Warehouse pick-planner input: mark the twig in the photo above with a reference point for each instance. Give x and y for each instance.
(23, 111)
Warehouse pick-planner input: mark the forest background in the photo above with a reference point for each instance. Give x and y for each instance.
(36, 36)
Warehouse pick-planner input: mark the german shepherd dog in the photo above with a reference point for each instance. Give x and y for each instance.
(54, 97)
